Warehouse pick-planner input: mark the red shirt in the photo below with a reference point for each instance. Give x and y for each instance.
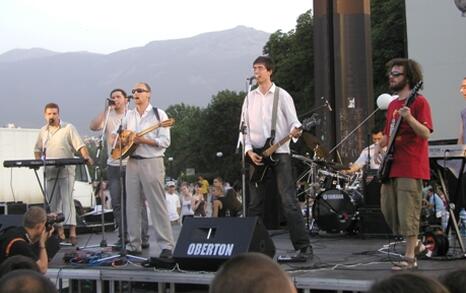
(411, 153)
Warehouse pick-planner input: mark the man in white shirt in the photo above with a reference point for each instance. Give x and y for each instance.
(117, 108)
(59, 140)
(367, 153)
(145, 172)
(257, 116)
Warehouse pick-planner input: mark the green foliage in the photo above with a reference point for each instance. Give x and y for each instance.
(389, 40)
(199, 134)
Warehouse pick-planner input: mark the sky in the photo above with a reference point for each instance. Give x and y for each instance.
(106, 26)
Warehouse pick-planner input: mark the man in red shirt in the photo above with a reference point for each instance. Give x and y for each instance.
(401, 195)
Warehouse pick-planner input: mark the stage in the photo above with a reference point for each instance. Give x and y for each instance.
(341, 262)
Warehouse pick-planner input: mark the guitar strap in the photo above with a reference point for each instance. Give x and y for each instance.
(156, 112)
(274, 113)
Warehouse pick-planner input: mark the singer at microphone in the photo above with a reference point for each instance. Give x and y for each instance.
(108, 122)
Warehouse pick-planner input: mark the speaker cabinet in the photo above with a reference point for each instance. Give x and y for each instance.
(372, 223)
(205, 243)
(10, 220)
(371, 187)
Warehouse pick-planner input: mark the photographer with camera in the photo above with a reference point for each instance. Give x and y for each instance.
(33, 239)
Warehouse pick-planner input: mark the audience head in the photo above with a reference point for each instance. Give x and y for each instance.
(455, 281)
(17, 262)
(34, 221)
(408, 283)
(251, 273)
(26, 281)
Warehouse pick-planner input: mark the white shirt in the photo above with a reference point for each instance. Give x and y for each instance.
(257, 114)
(113, 122)
(362, 160)
(135, 122)
(172, 201)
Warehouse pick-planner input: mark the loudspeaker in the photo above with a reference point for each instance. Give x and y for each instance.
(205, 243)
(372, 223)
(10, 220)
(371, 188)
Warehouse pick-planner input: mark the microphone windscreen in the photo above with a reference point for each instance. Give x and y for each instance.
(384, 100)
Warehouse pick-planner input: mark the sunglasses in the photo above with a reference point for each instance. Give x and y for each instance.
(395, 73)
(139, 91)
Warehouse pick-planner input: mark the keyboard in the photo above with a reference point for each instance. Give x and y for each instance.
(447, 151)
(40, 163)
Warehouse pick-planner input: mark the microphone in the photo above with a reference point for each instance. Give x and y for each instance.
(328, 105)
(130, 97)
(250, 79)
(51, 121)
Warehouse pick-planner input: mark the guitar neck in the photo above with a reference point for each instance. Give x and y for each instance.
(270, 150)
(147, 130)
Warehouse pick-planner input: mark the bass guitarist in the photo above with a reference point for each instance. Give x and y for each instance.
(257, 117)
(401, 193)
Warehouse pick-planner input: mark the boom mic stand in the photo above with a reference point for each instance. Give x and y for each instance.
(352, 131)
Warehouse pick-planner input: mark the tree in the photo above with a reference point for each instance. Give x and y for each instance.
(220, 126)
(293, 55)
(186, 137)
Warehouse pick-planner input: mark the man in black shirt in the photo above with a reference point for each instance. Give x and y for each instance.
(21, 240)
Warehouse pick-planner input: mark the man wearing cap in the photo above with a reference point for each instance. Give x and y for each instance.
(145, 172)
(173, 203)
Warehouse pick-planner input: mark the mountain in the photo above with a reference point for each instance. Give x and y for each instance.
(189, 70)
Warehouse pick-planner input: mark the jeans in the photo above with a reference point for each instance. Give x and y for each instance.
(287, 192)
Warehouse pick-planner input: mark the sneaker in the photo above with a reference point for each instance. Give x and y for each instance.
(305, 253)
(166, 253)
(145, 244)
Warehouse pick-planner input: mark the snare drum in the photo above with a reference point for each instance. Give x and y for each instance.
(335, 210)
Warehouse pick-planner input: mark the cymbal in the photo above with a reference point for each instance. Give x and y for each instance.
(315, 144)
(332, 165)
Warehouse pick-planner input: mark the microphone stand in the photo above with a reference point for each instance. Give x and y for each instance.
(99, 178)
(243, 133)
(353, 131)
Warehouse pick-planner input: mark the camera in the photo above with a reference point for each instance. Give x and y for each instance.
(53, 219)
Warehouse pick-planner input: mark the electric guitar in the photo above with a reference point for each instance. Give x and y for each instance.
(268, 160)
(125, 145)
(385, 166)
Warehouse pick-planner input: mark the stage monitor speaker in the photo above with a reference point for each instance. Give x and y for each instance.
(205, 243)
(10, 220)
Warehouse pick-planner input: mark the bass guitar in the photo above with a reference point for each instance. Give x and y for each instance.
(385, 166)
(125, 145)
(268, 160)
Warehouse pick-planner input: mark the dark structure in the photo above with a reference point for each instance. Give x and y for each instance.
(343, 72)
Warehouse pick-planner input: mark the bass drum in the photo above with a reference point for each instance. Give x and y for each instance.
(335, 210)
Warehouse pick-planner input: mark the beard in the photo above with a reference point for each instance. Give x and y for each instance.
(396, 87)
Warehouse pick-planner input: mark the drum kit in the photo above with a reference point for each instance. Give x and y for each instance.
(332, 196)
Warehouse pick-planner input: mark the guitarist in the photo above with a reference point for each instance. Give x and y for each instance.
(257, 116)
(401, 194)
(145, 172)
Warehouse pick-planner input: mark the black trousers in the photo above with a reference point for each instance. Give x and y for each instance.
(287, 191)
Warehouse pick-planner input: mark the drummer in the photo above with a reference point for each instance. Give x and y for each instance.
(367, 153)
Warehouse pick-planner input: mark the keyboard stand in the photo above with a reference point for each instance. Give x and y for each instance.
(451, 211)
